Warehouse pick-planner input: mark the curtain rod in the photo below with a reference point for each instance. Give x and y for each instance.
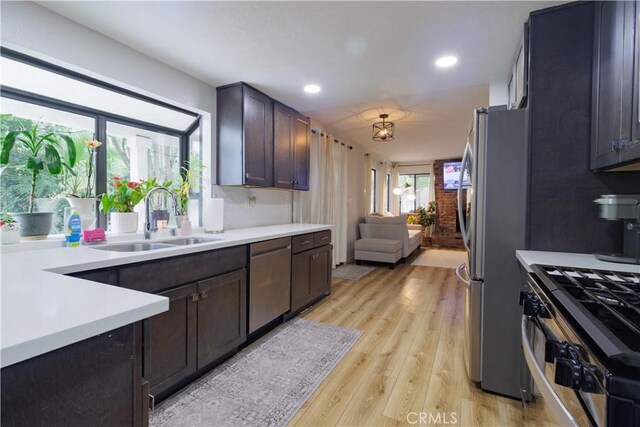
(350, 147)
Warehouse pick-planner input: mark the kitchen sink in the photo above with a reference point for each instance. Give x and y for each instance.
(133, 247)
(189, 241)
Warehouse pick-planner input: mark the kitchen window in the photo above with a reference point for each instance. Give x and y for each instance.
(142, 137)
(416, 194)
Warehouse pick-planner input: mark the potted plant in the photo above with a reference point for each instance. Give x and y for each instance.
(44, 155)
(80, 186)
(186, 182)
(120, 202)
(426, 217)
(8, 229)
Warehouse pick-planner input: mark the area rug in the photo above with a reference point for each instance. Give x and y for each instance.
(440, 258)
(265, 384)
(351, 271)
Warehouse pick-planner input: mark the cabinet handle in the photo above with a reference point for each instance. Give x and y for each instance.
(619, 144)
(305, 243)
(195, 297)
(152, 402)
(324, 238)
(203, 294)
(247, 175)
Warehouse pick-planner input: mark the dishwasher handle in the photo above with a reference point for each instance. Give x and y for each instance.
(271, 252)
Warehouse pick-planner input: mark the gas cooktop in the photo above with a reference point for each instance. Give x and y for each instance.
(605, 304)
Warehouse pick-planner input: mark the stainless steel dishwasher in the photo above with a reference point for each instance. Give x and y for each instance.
(269, 281)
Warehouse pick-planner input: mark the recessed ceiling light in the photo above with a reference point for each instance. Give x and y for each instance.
(312, 88)
(446, 61)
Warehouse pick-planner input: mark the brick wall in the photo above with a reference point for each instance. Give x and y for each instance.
(444, 232)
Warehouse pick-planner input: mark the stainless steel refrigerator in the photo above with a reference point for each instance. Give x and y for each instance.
(492, 215)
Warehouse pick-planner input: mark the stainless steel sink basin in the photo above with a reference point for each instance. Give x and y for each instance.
(133, 247)
(189, 241)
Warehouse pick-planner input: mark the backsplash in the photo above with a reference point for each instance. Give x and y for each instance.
(253, 207)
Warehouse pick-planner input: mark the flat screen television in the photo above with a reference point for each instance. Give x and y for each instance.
(451, 175)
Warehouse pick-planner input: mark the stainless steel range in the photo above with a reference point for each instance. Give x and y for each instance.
(581, 339)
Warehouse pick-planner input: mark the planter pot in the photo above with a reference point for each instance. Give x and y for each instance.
(34, 226)
(87, 208)
(9, 235)
(124, 222)
(179, 219)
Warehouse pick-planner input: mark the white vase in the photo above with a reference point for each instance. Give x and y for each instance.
(9, 235)
(124, 222)
(87, 208)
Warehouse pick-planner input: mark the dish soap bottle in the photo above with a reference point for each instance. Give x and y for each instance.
(72, 227)
(186, 226)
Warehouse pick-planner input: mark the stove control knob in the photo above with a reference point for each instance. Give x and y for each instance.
(568, 373)
(592, 379)
(533, 306)
(555, 349)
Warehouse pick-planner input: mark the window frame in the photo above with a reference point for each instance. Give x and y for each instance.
(374, 182)
(413, 176)
(388, 207)
(101, 117)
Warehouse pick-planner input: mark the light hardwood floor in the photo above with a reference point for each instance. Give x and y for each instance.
(409, 359)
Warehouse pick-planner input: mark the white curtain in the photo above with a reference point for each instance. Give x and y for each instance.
(395, 200)
(340, 163)
(432, 183)
(368, 196)
(326, 200)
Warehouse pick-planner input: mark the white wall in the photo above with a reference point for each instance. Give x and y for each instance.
(35, 30)
(498, 92)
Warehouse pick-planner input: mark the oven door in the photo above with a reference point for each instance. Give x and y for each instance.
(566, 374)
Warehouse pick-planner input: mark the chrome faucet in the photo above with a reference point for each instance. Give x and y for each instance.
(147, 209)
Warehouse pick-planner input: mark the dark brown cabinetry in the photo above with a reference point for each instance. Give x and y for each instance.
(310, 269)
(108, 276)
(95, 382)
(615, 116)
(291, 140)
(244, 136)
(222, 316)
(170, 340)
(254, 149)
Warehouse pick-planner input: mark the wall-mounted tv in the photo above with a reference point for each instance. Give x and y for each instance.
(451, 175)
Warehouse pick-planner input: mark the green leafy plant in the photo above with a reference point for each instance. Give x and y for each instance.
(125, 194)
(188, 178)
(44, 153)
(74, 181)
(426, 217)
(6, 220)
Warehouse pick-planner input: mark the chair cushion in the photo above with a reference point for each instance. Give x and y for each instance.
(401, 219)
(378, 245)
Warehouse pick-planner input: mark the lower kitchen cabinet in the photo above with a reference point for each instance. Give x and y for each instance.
(222, 316)
(170, 340)
(310, 276)
(94, 382)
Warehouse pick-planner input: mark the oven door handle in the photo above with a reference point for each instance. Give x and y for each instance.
(557, 407)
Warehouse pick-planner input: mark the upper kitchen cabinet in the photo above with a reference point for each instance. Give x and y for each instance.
(291, 147)
(518, 80)
(245, 136)
(616, 114)
(261, 141)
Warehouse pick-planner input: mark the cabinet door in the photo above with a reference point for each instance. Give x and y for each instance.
(301, 148)
(283, 146)
(222, 315)
(613, 81)
(320, 271)
(258, 138)
(170, 340)
(300, 280)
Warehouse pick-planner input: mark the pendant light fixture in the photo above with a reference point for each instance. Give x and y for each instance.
(383, 131)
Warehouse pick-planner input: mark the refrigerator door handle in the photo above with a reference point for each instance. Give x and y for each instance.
(461, 215)
(461, 279)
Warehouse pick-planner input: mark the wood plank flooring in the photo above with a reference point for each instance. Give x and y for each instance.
(409, 359)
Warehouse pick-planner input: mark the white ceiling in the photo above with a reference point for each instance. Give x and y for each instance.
(368, 57)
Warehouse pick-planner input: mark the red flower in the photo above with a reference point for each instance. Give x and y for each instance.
(2, 223)
(116, 178)
(131, 184)
(118, 185)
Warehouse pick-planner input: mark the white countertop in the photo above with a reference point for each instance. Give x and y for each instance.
(564, 259)
(42, 309)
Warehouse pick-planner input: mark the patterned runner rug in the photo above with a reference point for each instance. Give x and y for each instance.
(265, 384)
